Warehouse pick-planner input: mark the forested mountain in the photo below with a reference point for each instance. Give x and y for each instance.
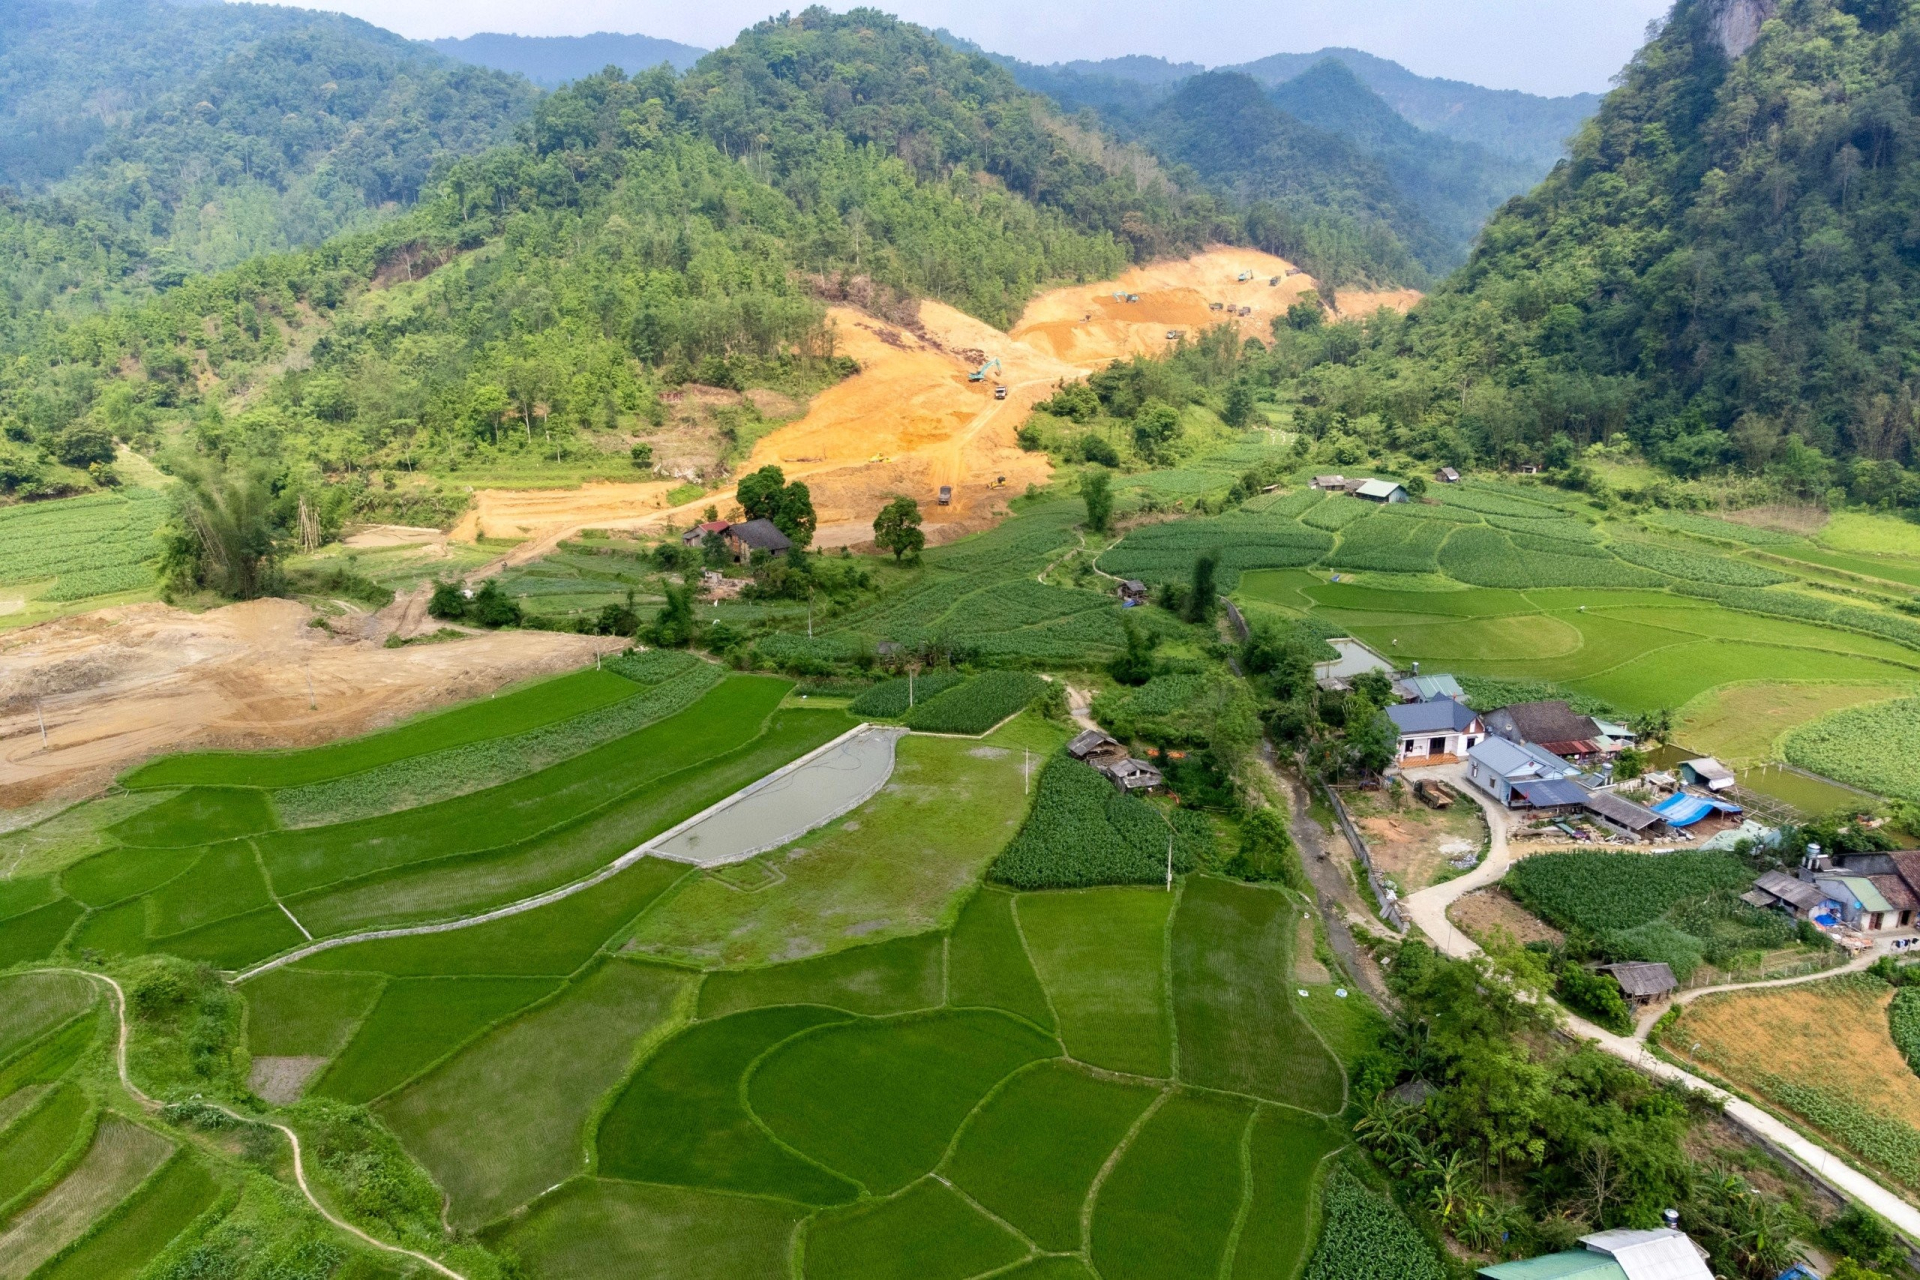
(1321, 144)
(646, 232)
(145, 140)
(1454, 185)
(551, 61)
(1227, 130)
(1728, 269)
(1517, 126)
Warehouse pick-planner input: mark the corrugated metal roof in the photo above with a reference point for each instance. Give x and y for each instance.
(1662, 1254)
(1439, 715)
(1551, 793)
(1377, 489)
(1783, 886)
(1864, 892)
(1642, 977)
(1575, 1264)
(1622, 812)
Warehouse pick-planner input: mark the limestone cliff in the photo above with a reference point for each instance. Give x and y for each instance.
(1737, 22)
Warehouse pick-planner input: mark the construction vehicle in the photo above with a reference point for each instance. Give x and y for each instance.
(1434, 793)
(1174, 335)
(999, 393)
(998, 482)
(980, 374)
(1244, 276)
(1271, 283)
(946, 495)
(1216, 306)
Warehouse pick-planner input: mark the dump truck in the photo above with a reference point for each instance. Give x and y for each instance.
(1244, 276)
(1174, 335)
(1434, 793)
(946, 495)
(999, 393)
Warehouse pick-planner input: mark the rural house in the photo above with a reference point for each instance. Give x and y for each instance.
(755, 535)
(1381, 491)
(1662, 1254)
(1861, 903)
(1440, 727)
(1521, 775)
(1095, 745)
(701, 532)
(1133, 591)
(1553, 725)
(1332, 484)
(1706, 772)
(1641, 981)
(1129, 774)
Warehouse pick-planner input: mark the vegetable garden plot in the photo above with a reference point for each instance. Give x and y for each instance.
(1337, 514)
(880, 1101)
(1390, 545)
(1600, 892)
(1083, 832)
(1243, 541)
(1875, 747)
(926, 1233)
(1032, 1151)
(712, 1139)
(1101, 956)
(1719, 530)
(788, 803)
(1487, 557)
(501, 716)
(1167, 1209)
(731, 715)
(1364, 1235)
(1234, 1005)
(978, 705)
(92, 545)
(1555, 528)
(891, 699)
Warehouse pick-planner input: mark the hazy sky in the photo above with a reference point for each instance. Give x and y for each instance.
(1544, 46)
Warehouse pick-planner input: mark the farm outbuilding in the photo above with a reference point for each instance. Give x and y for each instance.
(1801, 899)
(1447, 475)
(1426, 688)
(1130, 775)
(1093, 744)
(1622, 813)
(1133, 591)
(1642, 981)
(701, 532)
(1707, 772)
(1666, 1253)
(755, 535)
(1381, 491)
(1332, 484)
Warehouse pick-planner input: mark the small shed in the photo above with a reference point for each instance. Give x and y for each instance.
(1332, 484)
(1618, 811)
(1092, 742)
(1643, 981)
(1131, 775)
(1447, 475)
(1798, 898)
(701, 532)
(1381, 491)
(1707, 772)
(1133, 591)
(755, 535)
(1427, 688)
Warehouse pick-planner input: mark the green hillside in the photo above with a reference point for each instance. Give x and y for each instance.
(1723, 270)
(146, 141)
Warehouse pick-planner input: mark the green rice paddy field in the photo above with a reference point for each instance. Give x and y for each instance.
(845, 1057)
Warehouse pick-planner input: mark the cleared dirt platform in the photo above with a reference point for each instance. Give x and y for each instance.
(786, 804)
(120, 685)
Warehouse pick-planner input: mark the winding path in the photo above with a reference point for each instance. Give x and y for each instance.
(1428, 909)
(299, 1170)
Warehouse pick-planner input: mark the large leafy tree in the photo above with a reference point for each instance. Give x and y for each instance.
(897, 528)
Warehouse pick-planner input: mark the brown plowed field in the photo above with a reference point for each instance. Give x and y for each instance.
(119, 685)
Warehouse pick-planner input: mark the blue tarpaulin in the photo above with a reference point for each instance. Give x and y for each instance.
(1683, 810)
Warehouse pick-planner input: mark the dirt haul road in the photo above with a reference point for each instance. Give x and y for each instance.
(910, 421)
(119, 685)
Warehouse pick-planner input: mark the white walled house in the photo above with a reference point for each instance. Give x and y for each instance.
(1437, 727)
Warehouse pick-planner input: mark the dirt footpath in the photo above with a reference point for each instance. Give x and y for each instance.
(119, 685)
